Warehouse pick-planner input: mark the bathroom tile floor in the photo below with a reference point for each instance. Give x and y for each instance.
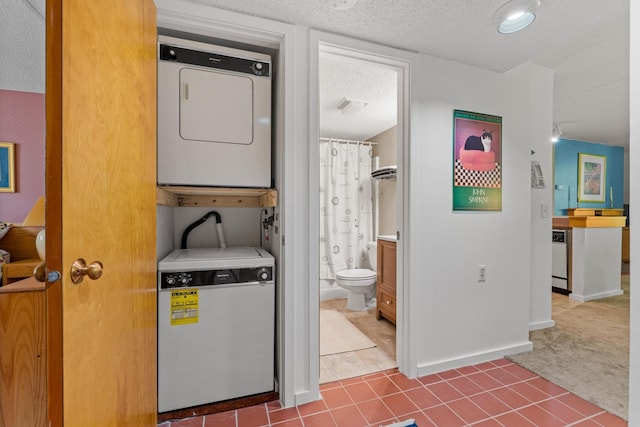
(497, 393)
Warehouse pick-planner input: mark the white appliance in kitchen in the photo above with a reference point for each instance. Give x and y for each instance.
(216, 320)
(560, 261)
(214, 115)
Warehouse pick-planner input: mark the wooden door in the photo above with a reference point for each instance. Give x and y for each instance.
(100, 195)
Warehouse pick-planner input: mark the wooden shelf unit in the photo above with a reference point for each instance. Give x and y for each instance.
(223, 197)
(20, 242)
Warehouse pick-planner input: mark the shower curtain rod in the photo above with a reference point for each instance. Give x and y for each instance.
(348, 141)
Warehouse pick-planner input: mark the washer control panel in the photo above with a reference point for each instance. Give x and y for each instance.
(179, 279)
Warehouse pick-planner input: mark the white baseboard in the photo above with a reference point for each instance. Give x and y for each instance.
(582, 298)
(306, 397)
(472, 359)
(534, 326)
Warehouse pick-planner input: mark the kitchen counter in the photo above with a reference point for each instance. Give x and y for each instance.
(596, 254)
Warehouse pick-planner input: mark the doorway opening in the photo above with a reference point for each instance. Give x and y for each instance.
(360, 135)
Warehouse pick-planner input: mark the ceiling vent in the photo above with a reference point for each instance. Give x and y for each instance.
(350, 107)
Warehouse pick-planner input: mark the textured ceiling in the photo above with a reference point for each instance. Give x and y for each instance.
(585, 42)
(21, 47)
(346, 78)
(459, 30)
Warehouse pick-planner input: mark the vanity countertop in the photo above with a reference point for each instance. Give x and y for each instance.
(388, 237)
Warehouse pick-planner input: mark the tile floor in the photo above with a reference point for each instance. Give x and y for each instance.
(498, 393)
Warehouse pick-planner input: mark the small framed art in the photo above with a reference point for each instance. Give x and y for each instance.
(592, 174)
(7, 167)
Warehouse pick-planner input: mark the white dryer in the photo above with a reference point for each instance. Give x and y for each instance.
(214, 115)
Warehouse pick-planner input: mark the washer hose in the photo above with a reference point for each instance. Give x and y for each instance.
(185, 234)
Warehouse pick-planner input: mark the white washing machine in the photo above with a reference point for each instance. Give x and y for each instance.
(216, 325)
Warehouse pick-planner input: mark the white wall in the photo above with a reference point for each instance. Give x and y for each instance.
(634, 197)
(461, 321)
(537, 83)
(241, 227)
(165, 231)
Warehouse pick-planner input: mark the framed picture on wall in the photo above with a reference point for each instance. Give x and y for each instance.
(592, 174)
(7, 167)
(477, 161)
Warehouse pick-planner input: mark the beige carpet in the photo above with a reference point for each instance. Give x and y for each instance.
(338, 335)
(587, 352)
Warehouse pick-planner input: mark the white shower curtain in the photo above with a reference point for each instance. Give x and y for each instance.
(346, 214)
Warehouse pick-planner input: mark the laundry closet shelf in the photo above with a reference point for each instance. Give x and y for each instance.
(223, 197)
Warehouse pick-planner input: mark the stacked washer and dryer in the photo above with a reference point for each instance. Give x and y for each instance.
(216, 306)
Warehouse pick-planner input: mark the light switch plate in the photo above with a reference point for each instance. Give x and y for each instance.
(544, 211)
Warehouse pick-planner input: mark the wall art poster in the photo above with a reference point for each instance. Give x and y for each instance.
(7, 167)
(592, 173)
(477, 161)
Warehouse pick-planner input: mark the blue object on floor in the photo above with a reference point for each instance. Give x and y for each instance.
(406, 423)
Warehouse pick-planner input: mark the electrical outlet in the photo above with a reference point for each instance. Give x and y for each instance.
(482, 273)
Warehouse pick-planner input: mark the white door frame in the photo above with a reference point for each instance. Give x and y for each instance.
(401, 62)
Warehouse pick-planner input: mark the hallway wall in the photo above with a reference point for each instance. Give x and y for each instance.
(634, 200)
(469, 321)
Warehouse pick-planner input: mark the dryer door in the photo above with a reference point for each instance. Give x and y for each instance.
(216, 107)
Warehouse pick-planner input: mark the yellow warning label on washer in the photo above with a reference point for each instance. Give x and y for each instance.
(184, 306)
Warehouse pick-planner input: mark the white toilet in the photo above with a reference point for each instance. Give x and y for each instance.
(360, 282)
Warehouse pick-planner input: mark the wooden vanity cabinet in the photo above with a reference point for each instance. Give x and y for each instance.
(386, 293)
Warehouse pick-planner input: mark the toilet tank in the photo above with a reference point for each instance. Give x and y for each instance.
(372, 252)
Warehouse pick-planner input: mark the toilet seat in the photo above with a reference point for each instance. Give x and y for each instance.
(356, 274)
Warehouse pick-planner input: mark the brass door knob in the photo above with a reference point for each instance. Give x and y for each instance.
(42, 275)
(79, 269)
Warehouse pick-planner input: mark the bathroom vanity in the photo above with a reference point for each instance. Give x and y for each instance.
(386, 293)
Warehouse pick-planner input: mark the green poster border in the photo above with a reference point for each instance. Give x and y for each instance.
(462, 194)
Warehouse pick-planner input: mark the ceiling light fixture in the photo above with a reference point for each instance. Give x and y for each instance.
(350, 107)
(556, 133)
(516, 15)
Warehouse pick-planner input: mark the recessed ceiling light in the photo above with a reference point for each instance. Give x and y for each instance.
(516, 15)
(343, 4)
(516, 22)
